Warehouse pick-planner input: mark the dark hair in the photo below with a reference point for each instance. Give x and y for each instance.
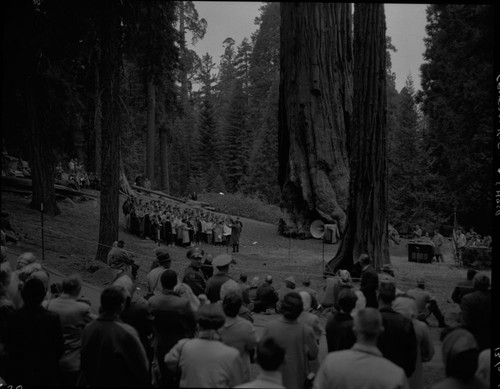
(292, 306)
(347, 300)
(387, 292)
(232, 303)
(33, 291)
(471, 273)
(270, 354)
(463, 365)
(364, 259)
(112, 298)
(72, 284)
(168, 279)
(243, 277)
(210, 317)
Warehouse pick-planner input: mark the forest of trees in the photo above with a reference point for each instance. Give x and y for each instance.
(118, 85)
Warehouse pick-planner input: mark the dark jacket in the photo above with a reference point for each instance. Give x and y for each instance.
(266, 297)
(195, 279)
(214, 284)
(462, 288)
(34, 343)
(476, 316)
(112, 355)
(369, 286)
(339, 333)
(398, 342)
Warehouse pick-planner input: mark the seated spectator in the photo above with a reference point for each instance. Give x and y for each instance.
(476, 311)
(362, 366)
(252, 290)
(205, 361)
(136, 313)
(460, 356)
(112, 353)
(398, 342)
(483, 374)
(173, 320)
(266, 297)
(238, 332)
(310, 319)
(306, 287)
(464, 287)
(294, 337)
(289, 286)
(162, 263)
(339, 332)
(25, 266)
(270, 356)
(426, 304)
(74, 316)
(425, 349)
(233, 286)
(34, 340)
(242, 282)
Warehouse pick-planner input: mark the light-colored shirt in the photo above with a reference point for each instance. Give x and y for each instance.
(265, 379)
(361, 367)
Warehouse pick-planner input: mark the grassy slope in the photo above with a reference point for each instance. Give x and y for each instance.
(70, 247)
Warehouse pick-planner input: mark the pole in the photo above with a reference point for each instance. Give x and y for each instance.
(43, 238)
(323, 253)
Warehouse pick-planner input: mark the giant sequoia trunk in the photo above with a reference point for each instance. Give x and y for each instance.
(110, 153)
(164, 138)
(314, 113)
(368, 223)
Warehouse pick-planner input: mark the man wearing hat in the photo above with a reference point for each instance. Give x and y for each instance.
(214, 283)
(193, 275)
(153, 277)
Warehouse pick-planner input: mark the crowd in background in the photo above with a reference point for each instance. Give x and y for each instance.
(169, 224)
(195, 328)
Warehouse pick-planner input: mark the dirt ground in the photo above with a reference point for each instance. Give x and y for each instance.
(70, 246)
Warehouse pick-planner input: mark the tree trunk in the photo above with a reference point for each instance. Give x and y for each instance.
(109, 68)
(124, 184)
(150, 146)
(314, 113)
(42, 160)
(367, 230)
(97, 120)
(164, 134)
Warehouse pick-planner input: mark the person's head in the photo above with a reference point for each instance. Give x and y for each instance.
(232, 303)
(208, 259)
(481, 282)
(72, 285)
(222, 262)
(344, 277)
(127, 283)
(121, 244)
(290, 282)
(347, 300)
(270, 354)
(25, 259)
(210, 317)
(386, 292)
(306, 282)
(368, 324)
(33, 292)
(195, 255)
(113, 300)
(364, 259)
(269, 279)
(471, 273)
(460, 353)
(292, 306)
(163, 257)
(43, 276)
(243, 277)
(306, 300)
(421, 283)
(168, 279)
(406, 306)
(229, 286)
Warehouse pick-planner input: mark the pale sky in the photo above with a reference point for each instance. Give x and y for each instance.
(405, 25)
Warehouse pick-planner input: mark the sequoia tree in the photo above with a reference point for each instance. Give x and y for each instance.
(315, 109)
(367, 141)
(109, 74)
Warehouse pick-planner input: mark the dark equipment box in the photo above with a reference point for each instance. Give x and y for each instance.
(420, 252)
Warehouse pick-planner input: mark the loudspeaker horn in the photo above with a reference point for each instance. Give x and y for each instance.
(317, 229)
